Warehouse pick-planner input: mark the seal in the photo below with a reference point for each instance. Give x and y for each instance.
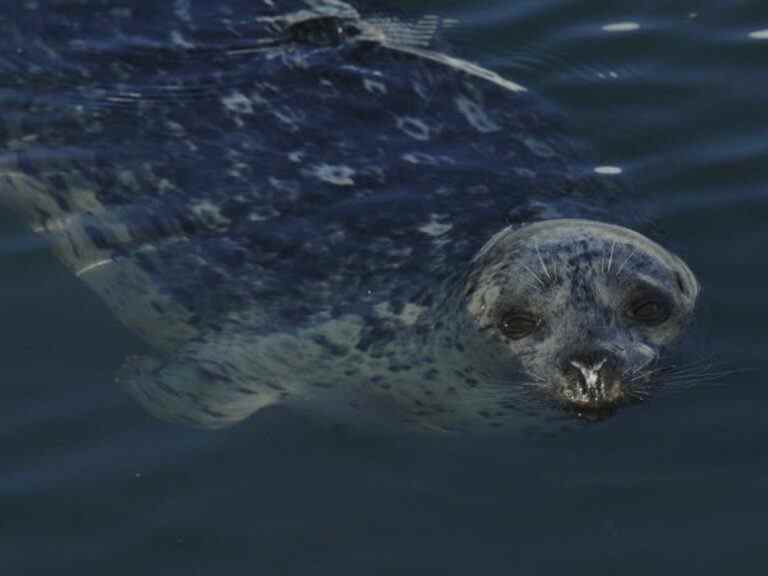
(320, 209)
(584, 307)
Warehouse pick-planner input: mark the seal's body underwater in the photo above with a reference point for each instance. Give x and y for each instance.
(333, 214)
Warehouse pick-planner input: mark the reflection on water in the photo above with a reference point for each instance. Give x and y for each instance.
(130, 135)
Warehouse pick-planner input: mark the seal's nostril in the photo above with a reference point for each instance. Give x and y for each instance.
(598, 359)
(584, 367)
(589, 375)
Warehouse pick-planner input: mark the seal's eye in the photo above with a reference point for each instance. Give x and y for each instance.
(650, 312)
(516, 324)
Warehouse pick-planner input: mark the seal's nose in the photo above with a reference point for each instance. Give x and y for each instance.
(590, 378)
(590, 372)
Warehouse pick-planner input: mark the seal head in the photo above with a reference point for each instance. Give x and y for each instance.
(583, 309)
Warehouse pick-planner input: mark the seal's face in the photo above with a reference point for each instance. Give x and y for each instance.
(583, 308)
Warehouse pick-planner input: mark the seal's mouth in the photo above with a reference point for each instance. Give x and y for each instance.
(592, 412)
(591, 387)
(592, 403)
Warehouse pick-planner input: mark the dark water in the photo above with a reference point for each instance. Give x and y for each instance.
(90, 484)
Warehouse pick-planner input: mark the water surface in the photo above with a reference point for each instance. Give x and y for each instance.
(674, 97)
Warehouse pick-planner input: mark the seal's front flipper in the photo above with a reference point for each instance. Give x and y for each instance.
(199, 391)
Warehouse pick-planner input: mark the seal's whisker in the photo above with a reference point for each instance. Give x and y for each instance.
(685, 372)
(699, 369)
(692, 363)
(637, 393)
(645, 385)
(678, 377)
(621, 268)
(631, 371)
(636, 378)
(704, 378)
(539, 281)
(543, 265)
(610, 258)
(640, 372)
(687, 384)
(535, 385)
